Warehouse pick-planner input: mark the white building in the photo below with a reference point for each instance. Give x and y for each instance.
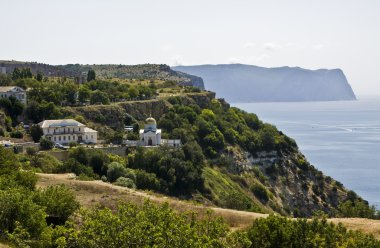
(150, 135)
(68, 130)
(15, 91)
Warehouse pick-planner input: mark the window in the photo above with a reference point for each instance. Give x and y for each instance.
(79, 129)
(55, 138)
(92, 136)
(59, 138)
(73, 137)
(86, 137)
(69, 137)
(64, 137)
(49, 138)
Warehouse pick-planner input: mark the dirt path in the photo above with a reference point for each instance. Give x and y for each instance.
(90, 193)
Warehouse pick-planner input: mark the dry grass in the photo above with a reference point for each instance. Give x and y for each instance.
(91, 193)
(4, 245)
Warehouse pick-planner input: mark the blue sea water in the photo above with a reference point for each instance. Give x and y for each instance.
(340, 138)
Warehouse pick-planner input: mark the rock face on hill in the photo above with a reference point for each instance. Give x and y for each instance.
(247, 83)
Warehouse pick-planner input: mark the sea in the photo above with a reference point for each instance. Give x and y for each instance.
(340, 138)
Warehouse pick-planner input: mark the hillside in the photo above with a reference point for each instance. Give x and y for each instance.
(261, 170)
(79, 72)
(91, 193)
(247, 83)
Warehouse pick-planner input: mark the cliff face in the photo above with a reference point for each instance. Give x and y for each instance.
(246, 83)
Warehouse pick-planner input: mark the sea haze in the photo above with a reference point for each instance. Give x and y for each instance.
(340, 138)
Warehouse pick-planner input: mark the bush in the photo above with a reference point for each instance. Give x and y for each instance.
(73, 144)
(260, 192)
(144, 226)
(236, 200)
(17, 207)
(59, 201)
(17, 134)
(145, 180)
(275, 231)
(115, 170)
(125, 182)
(46, 144)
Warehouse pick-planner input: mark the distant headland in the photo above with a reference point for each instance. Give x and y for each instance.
(248, 83)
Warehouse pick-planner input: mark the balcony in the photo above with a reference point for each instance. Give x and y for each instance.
(66, 132)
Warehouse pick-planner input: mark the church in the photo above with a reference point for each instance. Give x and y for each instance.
(150, 135)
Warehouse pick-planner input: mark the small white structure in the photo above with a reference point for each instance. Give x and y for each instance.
(150, 135)
(172, 142)
(15, 91)
(68, 130)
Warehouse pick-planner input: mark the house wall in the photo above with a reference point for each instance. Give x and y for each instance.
(21, 96)
(65, 135)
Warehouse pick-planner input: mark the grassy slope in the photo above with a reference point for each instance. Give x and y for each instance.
(90, 193)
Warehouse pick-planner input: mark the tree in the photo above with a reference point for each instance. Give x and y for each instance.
(84, 94)
(90, 75)
(59, 201)
(46, 144)
(39, 76)
(36, 133)
(133, 92)
(115, 170)
(99, 97)
(12, 106)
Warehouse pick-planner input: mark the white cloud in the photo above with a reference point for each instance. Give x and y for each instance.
(249, 44)
(318, 46)
(272, 46)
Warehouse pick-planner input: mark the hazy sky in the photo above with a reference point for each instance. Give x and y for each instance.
(307, 33)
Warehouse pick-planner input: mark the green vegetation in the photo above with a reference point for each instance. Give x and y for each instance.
(273, 232)
(25, 211)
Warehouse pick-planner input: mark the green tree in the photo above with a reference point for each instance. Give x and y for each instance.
(39, 76)
(98, 96)
(115, 170)
(36, 132)
(84, 94)
(133, 92)
(90, 75)
(59, 201)
(46, 144)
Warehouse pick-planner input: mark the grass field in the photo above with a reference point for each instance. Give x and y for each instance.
(91, 193)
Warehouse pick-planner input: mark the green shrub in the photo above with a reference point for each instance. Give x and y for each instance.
(145, 226)
(17, 134)
(46, 144)
(145, 180)
(115, 170)
(125, 182)
(275, 231)
(59, 202)
(260, 192)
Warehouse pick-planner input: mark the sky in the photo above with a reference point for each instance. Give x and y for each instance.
(311, 34)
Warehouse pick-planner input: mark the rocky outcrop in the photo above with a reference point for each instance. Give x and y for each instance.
(246, 83)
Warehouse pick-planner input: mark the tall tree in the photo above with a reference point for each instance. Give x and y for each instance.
(90, 75)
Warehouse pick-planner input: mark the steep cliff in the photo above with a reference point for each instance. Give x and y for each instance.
(246, 83)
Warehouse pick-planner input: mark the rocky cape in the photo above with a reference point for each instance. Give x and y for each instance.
(248, 83)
